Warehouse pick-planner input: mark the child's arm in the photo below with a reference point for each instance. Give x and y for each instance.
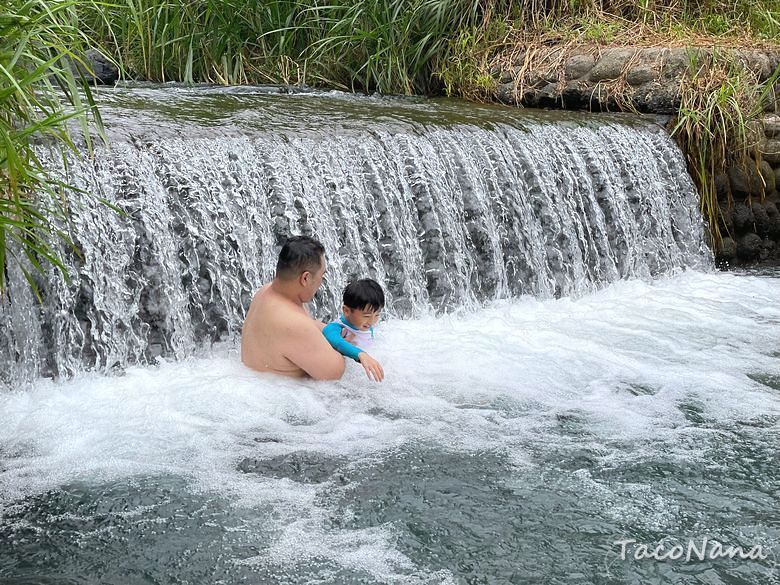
(332, 332)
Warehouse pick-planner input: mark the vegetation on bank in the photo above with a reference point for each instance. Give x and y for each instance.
(393, 46)
(389, 46)
(718, 125)
(41, 91)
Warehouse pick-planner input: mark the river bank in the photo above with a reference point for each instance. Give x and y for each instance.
(658, 80)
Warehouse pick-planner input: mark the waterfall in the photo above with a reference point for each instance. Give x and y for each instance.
(445, 205)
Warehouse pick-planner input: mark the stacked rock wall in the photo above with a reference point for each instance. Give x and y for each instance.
(645, 79)
(750, 203)
(651, 80)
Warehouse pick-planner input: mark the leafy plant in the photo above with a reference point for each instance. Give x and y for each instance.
(42, 89)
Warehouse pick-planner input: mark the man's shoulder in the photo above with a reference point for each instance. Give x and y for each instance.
(298, 324)
(262, 294)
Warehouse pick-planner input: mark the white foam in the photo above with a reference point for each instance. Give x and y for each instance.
(504, 379)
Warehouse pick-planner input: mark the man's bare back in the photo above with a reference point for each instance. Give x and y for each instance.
(270, 316)
(279, 336)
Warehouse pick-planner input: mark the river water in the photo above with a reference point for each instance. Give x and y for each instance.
(515, 444)
(632, 394)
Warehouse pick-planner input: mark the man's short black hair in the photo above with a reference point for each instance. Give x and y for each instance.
(299, 254)
(364, 294)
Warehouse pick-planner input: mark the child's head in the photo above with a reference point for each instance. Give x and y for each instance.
(363, 303)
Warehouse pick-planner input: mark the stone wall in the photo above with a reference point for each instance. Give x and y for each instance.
(646, 79)
(650, 80)
(749, 202)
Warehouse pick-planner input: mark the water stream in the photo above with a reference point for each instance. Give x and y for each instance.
(447, 205)
(564, 367)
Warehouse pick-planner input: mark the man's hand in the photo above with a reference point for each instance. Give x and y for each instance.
(372, 367)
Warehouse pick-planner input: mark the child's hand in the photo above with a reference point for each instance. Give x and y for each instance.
(372, 367)
(347, 334)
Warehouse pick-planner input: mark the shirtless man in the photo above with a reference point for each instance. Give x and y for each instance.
(279, 336)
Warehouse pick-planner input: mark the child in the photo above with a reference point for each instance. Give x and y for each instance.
(363, 303)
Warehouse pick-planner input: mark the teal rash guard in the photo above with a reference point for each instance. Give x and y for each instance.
(332, 332)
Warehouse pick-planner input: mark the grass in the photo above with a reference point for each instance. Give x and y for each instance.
(41, 91)
(388, 46)
(722, 103)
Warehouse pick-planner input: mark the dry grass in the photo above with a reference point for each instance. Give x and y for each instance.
(721, 96)
(719, 125)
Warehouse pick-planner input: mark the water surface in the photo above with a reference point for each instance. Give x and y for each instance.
(512, 444)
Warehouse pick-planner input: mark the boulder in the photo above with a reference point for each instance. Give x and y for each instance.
(102, 70)
(749, 247)
(503, 76)
(761, 219)
(772, 99)
(575, 97)
(746, 182)
(772, 125)
(743, 218)
(505, 93)
(640, 74)
(722, 187)
(768, 248)
(770, 149)
(677, 61)
(579, 66)
(773, 214)
(728, 249)
(549, 96)
(756, 61)
(611, 64)
(658, 98)
(726, 218)
(768, 175)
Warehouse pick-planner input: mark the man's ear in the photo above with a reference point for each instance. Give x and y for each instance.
(304, 278)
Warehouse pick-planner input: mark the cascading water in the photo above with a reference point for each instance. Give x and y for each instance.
(512, 443)
(446, 206)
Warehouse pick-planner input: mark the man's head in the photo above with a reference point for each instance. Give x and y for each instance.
(302, 262)
(363, 303)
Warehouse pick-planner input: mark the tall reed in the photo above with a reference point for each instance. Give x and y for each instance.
(391, 46)
(41, 92)
(722, 103)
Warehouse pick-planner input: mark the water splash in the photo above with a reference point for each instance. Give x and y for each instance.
(444, 210)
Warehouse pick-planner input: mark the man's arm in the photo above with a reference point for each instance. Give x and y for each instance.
(307, 348)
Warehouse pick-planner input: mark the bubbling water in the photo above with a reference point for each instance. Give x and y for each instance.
(516, 442)
(447, 206)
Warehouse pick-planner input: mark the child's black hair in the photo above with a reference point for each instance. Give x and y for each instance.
(364, 294)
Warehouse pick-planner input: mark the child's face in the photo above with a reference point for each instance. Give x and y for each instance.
(362, 319)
